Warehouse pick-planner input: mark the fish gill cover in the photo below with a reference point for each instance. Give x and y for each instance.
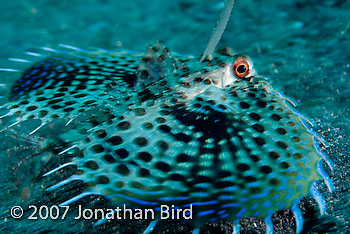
(95, 128)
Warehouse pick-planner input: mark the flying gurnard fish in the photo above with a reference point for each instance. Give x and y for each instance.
(167, 129)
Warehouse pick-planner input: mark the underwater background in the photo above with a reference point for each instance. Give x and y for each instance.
(302, 46)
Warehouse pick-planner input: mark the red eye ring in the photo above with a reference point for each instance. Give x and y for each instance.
(241, 67)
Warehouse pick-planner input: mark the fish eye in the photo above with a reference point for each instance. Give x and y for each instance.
(241, 67)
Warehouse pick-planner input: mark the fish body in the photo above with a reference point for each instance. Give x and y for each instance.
(165, 129)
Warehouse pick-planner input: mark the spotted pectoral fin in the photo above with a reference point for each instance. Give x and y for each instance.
(229, 152)
(67, 84)
(74, 67)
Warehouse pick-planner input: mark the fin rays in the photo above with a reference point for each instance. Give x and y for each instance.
(76, 198)
(299, 221)
(236, 226)
(19, 60)
(8, 70)
(58, 168)
(150, 227)
(269, 225)
(316, 194)
(325, 176)
(64, 182)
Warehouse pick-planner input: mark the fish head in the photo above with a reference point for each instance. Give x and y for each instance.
(235, 69)
(222, 71)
